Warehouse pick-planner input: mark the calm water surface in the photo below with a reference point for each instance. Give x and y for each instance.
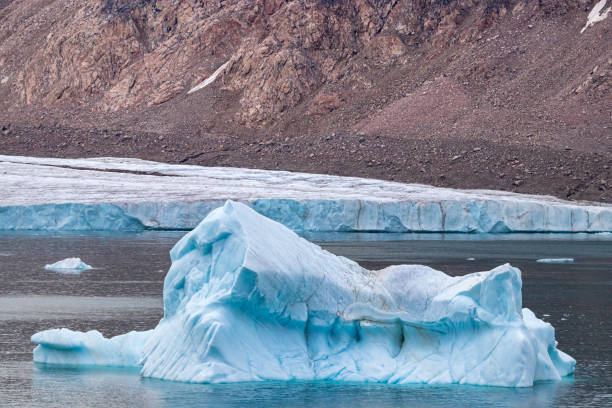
(123, 293)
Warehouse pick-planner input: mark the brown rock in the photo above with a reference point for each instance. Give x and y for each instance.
(118, 54)
(326, 102)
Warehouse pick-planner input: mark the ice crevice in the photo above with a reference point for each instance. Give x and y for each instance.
(247, 299)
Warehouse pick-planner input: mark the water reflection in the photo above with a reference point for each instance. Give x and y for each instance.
(61, 387)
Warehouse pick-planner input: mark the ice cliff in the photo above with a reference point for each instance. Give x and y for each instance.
(246, 299)
(132, 194)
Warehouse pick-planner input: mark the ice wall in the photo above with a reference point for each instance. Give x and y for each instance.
(487, 216)
(246, 299)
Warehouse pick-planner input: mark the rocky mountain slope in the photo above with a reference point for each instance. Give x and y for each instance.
(504, 94)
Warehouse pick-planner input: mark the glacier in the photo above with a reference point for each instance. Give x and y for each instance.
(247, 299)
(68, 265)
(132, 195)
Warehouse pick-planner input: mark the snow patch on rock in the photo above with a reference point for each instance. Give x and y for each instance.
(596, 15)
(208, 80)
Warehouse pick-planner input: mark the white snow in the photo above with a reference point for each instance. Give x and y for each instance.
(246, 299)
(81, 194)
(556, 260)
(596, 15)
(208, 80)
(69, 265)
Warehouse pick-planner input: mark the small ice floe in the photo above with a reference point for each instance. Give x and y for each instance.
(556, 260)
(597, 14)
(68, 265)
(208, 80)
(470, 259)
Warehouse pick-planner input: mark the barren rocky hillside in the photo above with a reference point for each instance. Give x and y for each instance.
(506, 94)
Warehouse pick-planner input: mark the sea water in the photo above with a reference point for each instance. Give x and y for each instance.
(123, 293)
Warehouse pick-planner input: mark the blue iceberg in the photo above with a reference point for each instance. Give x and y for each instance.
(246, 299)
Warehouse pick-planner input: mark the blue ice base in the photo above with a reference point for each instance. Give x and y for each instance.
(485, 216)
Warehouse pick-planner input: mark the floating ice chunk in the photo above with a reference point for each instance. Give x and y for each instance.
(596, 15)
(246, 299)
(556, 260)
(68, 265)
(69, 348)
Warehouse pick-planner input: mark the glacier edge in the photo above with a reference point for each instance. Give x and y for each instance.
(487, 216)
(131, 195)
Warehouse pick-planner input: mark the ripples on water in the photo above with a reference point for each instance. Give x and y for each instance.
(123, 293)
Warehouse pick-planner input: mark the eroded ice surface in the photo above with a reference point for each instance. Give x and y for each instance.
(246, 299)
(132, 194)
(70, 265)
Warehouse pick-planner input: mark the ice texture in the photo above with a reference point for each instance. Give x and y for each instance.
(132, 194)
(246, 299)
(68, 265)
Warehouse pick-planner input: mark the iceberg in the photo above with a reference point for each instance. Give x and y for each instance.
(247, 299)
(133, 195)
(69, 265)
